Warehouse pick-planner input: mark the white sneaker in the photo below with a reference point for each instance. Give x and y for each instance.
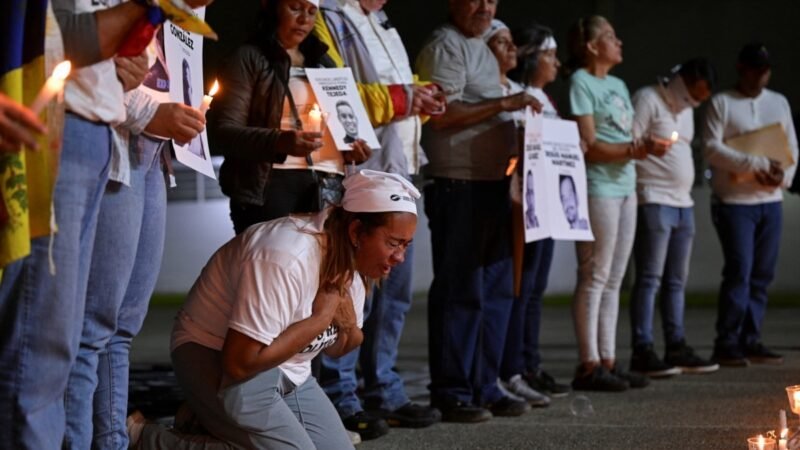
(517, 386)
(355, 438)
(135, 424)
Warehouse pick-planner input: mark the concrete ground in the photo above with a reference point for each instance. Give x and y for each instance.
(715, 411)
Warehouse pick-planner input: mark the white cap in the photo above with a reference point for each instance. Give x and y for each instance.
(373, 191)
(494, 28)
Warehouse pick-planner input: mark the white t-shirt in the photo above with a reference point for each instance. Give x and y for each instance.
(258, 284)
(665, 180)
(94, 92)
(730, 114)
(326, 159)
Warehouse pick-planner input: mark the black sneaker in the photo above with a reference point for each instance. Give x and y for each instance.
(683, 357)
(760, 354)
(543, 382)
(729, 357)
(368, 425)
(645, 360)
(599, 379)
(461, 412)
(635, 380)
(508, 407)
(410, 415)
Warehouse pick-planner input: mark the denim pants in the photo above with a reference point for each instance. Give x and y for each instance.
(41, 313)
(662, 250)
(470, 299)
(267, 411)
(125, 263)
(385, 315)
(750, 236)
(601, 267)
(521, 352)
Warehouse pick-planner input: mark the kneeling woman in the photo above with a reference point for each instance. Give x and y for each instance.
(269, 301)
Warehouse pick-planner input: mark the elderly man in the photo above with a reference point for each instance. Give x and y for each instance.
(468, 210)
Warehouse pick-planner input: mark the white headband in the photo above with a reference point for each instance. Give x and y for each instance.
(494, 28)
(548, 44)
(373, 191)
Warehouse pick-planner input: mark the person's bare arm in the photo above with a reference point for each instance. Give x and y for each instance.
(18, 126)
(604, 152)
(462, 114)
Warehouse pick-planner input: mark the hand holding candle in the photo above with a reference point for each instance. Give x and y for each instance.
(54, 86)
(317, 119)
(208, 98)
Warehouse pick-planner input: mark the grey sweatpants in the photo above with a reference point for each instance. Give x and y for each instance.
(264, 412)
(601, 267)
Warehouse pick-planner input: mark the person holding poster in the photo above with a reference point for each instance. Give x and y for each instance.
(274, 164)
(747, 214)
(469, 211)
(602, 107)
(266, 304)
(360, 36)
(665, 218)
(529, 57)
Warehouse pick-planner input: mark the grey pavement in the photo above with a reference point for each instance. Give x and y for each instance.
(714, 411)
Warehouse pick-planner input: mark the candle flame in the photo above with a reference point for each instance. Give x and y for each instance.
(214, 88)
(784, 433)
(674, 137)
(760, 442)
(61, 71)
(315, 108)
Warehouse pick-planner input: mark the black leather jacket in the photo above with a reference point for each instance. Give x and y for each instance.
(244, 120)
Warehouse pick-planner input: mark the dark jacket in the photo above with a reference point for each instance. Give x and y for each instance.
(244, 120)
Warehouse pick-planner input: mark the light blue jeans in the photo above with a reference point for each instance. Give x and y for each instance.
(662, 250)
(127, 257)
(40, 313)
(385, 316)
(266, 411)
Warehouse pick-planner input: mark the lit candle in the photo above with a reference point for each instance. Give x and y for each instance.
(315, 119)
(782, 438)
(674, 137)
(54, 86)
(760, 443)
(207, 98)
(781, 420)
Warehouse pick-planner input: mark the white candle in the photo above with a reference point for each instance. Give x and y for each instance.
(782, 437)
(54, 86)
(674, 137)
(207, 98)
(315, 119)
(782, 420)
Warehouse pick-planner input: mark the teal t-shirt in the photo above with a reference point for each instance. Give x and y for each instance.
(609, 102)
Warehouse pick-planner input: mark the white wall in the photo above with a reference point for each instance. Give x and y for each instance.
(196, 230)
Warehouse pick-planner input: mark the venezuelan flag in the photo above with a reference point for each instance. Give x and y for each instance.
(26, 178)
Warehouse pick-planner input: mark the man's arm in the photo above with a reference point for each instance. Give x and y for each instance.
(720, 155)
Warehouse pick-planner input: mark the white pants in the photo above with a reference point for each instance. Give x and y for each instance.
(601, 267)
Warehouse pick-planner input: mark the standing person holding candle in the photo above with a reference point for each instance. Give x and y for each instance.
(126, 259)
(273, 165)
(601, 105)
(359, 35)
(665, 219)
(49, 286)
(747, 194)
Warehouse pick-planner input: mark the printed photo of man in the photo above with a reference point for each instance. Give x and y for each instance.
(531, 221)
(196, 144)
(347, 117)
(569, 202)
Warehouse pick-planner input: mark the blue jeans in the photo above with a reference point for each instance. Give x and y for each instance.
(750, 236)
(661, 251)
(521, 353)
(470, 299)
(41, 313)
(125, 263)
(385, 315)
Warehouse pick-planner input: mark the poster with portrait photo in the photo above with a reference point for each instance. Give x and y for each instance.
(534, 182)
(184, 56)
(337, 96)
(566, 178)
(555, 161)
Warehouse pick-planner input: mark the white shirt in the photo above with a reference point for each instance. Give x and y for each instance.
(390, 59)
(258, 284)
(731, 114)
(94, 92)
(665, 180)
